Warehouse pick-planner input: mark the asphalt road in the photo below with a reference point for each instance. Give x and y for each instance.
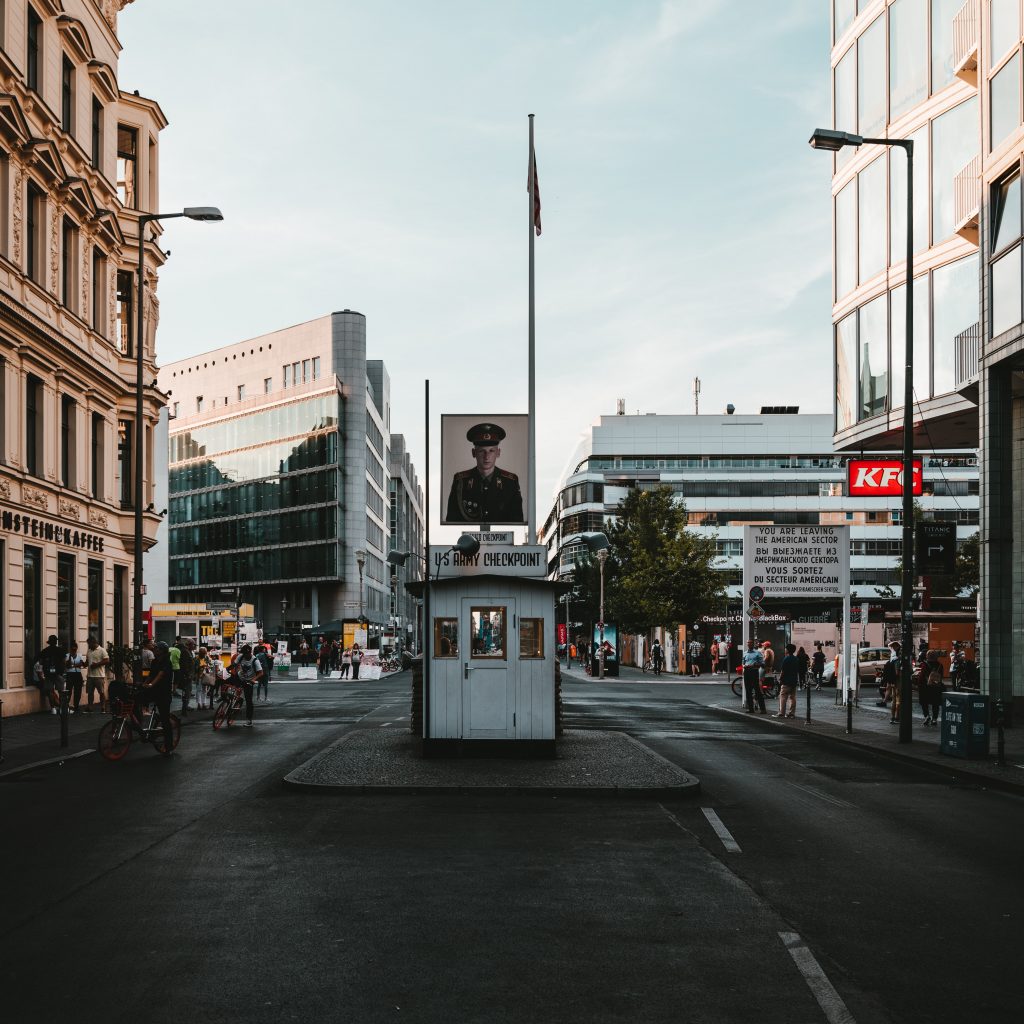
(803, 885)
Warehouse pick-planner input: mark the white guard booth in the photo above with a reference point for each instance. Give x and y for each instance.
(489, 679)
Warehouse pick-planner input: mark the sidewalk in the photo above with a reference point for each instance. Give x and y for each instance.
(872, 732)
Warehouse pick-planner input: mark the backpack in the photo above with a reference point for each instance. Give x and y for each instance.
(889, 672)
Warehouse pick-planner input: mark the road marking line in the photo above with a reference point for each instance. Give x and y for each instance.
(834, 800)
(821, 988)
(721, 831)
(675, 821)
(384, 725)
(48, 761)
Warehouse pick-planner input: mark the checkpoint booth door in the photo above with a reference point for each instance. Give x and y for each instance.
(488, 626)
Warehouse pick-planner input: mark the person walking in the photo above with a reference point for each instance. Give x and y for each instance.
(204, 679)
(73, 675)
(694, 650)
(930, 692)
(753, 664)
(714, 657)
(50, 677)
(657, 656)
(789, 676)
(304, 653)
(186, 672)
(346, 662)
(356, 658)
(248, 671)
(804, 660)
(818, 664)
(266, 660)
(96, 662)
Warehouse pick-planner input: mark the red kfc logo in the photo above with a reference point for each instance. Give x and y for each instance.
(880, 478)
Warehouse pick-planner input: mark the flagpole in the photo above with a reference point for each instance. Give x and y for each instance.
(531, 478)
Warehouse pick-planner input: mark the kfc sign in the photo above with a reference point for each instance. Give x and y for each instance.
(880, 478)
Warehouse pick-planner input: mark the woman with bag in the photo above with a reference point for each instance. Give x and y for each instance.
(930, 693)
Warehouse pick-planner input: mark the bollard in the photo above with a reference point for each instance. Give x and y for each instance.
(1000, 737)
(65, 700)
(849, 712)
(808, 689)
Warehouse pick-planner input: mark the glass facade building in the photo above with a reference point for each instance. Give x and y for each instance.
(277, 480)
(952, 75)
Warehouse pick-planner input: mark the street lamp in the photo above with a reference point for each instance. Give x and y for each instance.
(598, 545)
(833, 141)
(361, 562)
(397, 558)
(207, 213)
(284, 609)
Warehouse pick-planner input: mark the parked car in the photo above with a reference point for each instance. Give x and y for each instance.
(870, 663)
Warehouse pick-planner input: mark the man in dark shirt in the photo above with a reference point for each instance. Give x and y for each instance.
(157, 690)
(789, 676)
(51, 661)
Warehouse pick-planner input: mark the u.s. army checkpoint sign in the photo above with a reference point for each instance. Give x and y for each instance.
(797, 561)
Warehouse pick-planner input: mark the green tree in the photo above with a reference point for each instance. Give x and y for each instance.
(657, 572)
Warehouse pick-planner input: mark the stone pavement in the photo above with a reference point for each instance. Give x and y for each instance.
(589, 763)
(872, 731)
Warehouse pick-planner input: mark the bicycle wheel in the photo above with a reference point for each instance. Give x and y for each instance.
(221, 714)
(115, 738)
(737, 686)
(232, 710)
(156, 735)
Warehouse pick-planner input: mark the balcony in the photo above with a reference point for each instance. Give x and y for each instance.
(967, 201)
(966, 352)
(965, 42)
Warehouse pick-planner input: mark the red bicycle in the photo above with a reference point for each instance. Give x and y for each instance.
(115, 738)
(231, 700)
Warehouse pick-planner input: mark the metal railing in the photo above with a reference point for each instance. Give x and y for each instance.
(966, 350)
(967, 198)
(965, 37)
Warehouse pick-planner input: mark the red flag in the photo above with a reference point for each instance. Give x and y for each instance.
(532, 176)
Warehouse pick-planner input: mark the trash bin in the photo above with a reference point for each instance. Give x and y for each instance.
(965, 720)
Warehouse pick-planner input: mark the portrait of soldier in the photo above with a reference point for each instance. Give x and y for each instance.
(486, 493)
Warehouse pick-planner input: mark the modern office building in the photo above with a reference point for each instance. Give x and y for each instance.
(79, 161)
(946, 74)
(279, 477)
(738, 469)
(406, 535)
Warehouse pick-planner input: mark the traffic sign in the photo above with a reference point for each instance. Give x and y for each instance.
(755, 611)
(756, 594)
(934, 548)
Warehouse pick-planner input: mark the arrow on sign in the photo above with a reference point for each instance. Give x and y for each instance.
(931, 550)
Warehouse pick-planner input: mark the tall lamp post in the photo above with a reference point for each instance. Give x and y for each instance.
(207, 213)
(833, 141)
(598, 545)
(361, 562)
(284, 610)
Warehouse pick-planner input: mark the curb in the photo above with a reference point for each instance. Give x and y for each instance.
(688, 787)
(953, 772)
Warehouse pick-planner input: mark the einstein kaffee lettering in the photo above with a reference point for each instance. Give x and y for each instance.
(44, 529)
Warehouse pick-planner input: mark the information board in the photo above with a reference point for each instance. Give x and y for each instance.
(797, 561)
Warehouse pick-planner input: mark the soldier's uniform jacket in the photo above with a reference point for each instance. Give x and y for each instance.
(474, 499)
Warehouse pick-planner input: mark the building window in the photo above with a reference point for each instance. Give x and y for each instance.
(68, 420)
(1006, 294)
(446, 638)
(68, 263)
(35, 264)
(128, 166)
(126, 312)
(65, 599)
(954, 145)
(99, 290)
(174, 410)
(5, 203)
(955, 308)
(97, 456)
(531, 638)
(268, 385)
(1004, 28)
(843, 11)
(845, 89)
(97, 133)
(306, 371)
(487, 632)
(943, 12)
(67, 95)
(898, 197)
(316, 368)
(874, 357)
(241, 392)
(908, 55)
(199, 403)
(32, 590)
(124, 464)
(871, 206)
(120, 604)
(1004, 101)
(871, 78)
(95, 589)
(287, 371)
(34, 425)
(922, 351)
(3, 586)
(846, 240)
(846, 371)
(34, 41)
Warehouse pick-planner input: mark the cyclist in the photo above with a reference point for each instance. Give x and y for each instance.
(248, 671)
(157, 689)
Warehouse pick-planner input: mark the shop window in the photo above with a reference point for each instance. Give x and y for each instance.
(65, 599)
(446, 638)
(487, 632)
(32, 591)
(95, 590)
(531, 638)
(120, 604)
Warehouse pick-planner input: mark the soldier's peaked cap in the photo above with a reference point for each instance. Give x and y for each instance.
(485, 434)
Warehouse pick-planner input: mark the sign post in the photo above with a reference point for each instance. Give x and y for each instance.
(935, 548)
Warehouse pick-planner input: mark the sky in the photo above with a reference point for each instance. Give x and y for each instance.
(374, 156)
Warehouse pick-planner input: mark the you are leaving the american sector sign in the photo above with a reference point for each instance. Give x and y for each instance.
(797, 561)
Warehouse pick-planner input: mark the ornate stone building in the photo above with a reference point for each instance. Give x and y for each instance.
(78, 163)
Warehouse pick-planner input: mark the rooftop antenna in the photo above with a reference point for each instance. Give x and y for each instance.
(620, 407)
(696, 396)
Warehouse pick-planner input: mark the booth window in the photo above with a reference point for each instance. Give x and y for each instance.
(487, 632)
(531, 638)
(446, 638)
